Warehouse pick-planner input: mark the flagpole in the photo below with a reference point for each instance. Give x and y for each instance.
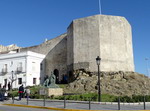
(100, 7)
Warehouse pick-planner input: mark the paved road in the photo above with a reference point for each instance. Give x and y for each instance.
(82, 106)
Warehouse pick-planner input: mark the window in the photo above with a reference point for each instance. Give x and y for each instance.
(5, 82)
(4, 70)
(20, 64)
(5, 66)
(34, 80)
(19, 80)
(19, 67)
(11, 63)
(33, 66)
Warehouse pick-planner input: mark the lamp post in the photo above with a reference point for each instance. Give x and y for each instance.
(12, 79)
(98, 59)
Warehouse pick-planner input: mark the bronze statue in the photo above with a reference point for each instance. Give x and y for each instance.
(52, 78)
(50, 82)
(46, 82)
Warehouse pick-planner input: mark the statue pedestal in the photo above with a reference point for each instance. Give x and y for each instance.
(54, 91)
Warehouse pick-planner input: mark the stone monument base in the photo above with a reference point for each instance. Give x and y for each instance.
(54, 91)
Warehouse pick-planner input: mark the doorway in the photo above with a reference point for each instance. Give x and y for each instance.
(56, 73)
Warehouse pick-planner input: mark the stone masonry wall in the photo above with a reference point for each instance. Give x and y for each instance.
(115, 44)
(46, 46)
(86, 42)
(70, 41)
(56, 59)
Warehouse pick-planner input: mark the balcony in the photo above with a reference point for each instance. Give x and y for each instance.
(4, 70)
(19, 70)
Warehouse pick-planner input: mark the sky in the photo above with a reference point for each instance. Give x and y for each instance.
(29, 22)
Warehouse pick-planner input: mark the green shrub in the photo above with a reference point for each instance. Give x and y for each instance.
(108, 98)
(13, 93)
(125, 99)
(137, 98)
(36, 96)
(85, 97)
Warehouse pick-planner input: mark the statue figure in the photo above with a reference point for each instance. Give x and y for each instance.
(50, 82)
(52, 79)
(46, 82)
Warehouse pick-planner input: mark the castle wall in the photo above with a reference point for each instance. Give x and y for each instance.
(56, 59)
(85, 37)
(70, 42)
(45, 47)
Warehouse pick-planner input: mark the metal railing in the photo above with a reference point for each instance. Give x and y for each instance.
(19, 70)
(90, 104)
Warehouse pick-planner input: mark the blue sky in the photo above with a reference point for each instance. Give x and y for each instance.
(29, 22)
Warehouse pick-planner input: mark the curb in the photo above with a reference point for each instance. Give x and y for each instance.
(42, 107)
(61, 109)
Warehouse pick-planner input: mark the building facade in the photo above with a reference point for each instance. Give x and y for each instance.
(20, 68)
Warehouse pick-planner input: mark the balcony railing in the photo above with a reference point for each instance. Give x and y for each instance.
(19, 69)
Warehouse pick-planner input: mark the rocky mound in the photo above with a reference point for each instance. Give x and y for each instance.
(114, 83)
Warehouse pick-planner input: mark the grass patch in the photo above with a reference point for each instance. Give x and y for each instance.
(83, 97)
(88, 96)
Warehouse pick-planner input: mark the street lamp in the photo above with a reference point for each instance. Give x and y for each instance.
(12, 79)
(98, 59)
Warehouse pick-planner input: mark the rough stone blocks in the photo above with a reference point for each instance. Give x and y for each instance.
(54, 91)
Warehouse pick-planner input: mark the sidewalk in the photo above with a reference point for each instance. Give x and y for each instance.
(75, 105)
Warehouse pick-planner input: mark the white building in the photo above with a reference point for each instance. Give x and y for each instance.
(23, 67)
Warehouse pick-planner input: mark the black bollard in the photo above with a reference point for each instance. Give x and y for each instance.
(64, 101)
(144, 102)
(27, 99)
(12, 99)
(44, 100)
(119, 103)
(89, 103)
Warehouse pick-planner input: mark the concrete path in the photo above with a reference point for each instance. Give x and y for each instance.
(75, 105)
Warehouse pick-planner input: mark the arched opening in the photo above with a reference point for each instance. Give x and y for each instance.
(71, 76)
(56, 73)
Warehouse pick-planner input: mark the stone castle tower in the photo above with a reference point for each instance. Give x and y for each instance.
(109, 37)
